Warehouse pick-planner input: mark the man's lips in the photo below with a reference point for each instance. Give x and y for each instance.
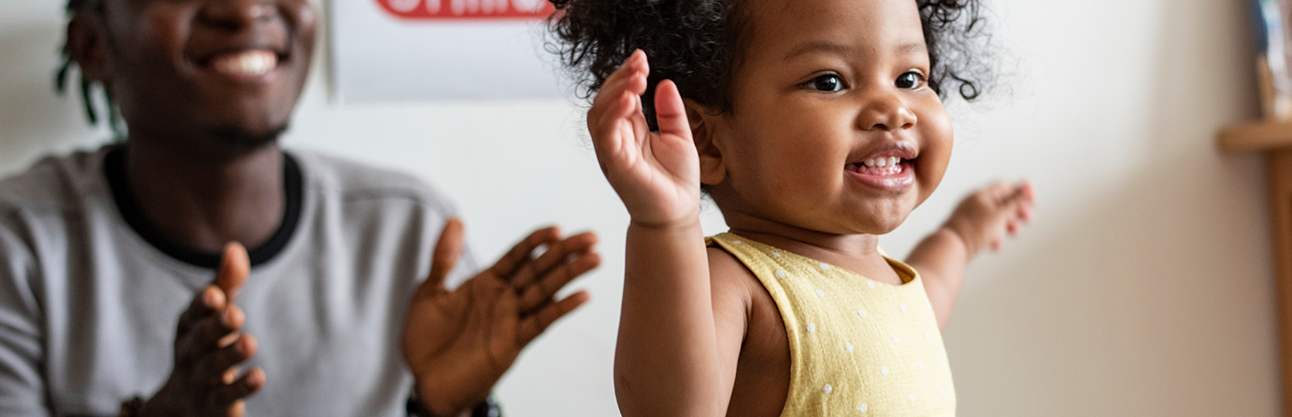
(242, 64)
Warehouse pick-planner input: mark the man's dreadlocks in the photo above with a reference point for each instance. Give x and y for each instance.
(61, 78)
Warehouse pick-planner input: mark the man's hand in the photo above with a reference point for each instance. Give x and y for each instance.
(459, 343)
(208, 348)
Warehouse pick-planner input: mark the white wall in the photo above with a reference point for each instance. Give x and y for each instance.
(1143, 289)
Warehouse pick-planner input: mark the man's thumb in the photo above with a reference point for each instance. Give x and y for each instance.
(447, 251)
(234, 268)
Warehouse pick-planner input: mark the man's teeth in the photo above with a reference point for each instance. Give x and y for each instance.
(882, 162)
(249, 63)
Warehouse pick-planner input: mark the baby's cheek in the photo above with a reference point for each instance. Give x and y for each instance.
(936, 140)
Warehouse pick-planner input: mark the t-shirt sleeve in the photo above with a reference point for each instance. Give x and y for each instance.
(22, 383)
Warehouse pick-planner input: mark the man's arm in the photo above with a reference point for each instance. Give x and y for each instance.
(23, 390)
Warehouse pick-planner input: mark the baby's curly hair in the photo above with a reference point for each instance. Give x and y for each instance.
(699, 43)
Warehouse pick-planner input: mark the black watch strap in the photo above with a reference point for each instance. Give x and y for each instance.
(486, 408)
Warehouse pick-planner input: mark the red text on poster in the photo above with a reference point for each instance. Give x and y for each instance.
(467, 9)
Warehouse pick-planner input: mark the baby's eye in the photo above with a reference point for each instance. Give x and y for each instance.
(910, 80)
(828, 83)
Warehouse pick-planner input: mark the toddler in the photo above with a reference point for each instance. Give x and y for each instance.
(815, 126)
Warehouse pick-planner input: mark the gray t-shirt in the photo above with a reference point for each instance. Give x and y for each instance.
(89, 304)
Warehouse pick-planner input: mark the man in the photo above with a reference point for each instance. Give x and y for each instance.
(107, 297)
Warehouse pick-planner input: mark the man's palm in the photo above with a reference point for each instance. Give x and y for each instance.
(459, 343)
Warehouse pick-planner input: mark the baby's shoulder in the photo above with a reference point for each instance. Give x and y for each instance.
(727, 273)
(735, 286)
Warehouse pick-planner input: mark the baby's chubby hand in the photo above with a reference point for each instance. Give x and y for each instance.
(984, 217)
(656, 174)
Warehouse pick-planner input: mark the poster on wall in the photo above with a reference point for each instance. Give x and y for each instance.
(1274, 57)
(401, 50)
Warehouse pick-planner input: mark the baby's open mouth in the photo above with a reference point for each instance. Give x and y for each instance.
(881, 166)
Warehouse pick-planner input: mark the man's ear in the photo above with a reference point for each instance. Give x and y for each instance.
(706, 132)
(87, 45)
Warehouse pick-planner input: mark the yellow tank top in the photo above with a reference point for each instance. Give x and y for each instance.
(857, 347)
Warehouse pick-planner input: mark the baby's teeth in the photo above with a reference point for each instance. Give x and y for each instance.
(892, 161)
(869, 162)
(883, 162)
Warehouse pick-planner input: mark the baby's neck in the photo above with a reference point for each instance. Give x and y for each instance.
(855, 252)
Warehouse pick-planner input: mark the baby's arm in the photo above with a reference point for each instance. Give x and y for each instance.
(667, 353)
(981, 220)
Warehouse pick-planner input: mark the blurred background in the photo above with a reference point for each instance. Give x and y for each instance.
(1143, 288)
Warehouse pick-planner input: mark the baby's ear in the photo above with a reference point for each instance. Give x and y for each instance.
(704, 129)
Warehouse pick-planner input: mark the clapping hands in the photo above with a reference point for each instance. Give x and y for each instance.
(209, 344)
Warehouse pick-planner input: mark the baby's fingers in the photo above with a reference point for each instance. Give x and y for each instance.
(629, 81)
(670, 112)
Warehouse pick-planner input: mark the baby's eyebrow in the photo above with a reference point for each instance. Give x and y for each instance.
(835, 48)
(827, 47)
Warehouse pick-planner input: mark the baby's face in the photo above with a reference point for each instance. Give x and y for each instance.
(833, 127)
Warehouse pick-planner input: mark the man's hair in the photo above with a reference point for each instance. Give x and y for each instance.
(62, 77)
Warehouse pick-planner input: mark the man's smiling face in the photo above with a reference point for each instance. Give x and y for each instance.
(206, 72)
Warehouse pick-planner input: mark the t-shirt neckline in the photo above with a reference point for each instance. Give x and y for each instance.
(114, 167)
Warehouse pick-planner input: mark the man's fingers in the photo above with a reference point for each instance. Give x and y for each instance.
(207, 302)
(670, 114)
(234, 268)
(556, 255)
(536, 324)
(541, 292)
(448, 249)
(250, 382)
(206, 334)
(215, 366)
(520, 253)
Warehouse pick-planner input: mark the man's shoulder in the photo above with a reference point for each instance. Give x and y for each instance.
(54, 183)
(356, 182)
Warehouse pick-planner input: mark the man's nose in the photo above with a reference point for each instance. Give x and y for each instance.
(238, 14)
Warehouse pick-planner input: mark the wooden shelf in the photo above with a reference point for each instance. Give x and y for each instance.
(1274, 139)
(1256, 136)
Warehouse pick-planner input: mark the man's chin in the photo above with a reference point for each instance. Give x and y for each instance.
(241, 139)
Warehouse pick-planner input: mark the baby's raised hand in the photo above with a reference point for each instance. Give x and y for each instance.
(656, 174)
(986, 216)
